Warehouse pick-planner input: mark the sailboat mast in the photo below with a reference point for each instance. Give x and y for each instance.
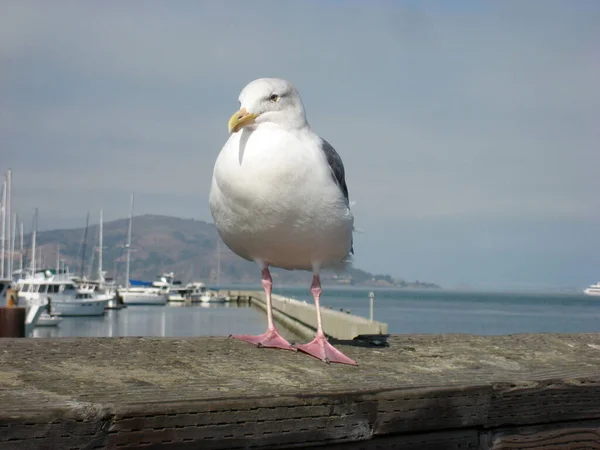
(57, 259)
(7, 213)
(33, 239)
(92, 257)
(3, 231)
(100, 276)
(218, 260)
(128, 247)
(87, 223)
(12, 244)
(21, 246)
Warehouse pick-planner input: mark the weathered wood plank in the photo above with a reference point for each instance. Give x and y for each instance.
(219, 393)
(545, 401)
(567, 436)
(440, 440)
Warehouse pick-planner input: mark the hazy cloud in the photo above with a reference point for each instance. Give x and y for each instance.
(452, 118)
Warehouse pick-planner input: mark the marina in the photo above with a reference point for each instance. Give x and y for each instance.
(405, 312)
(61, 301)
(51, 293)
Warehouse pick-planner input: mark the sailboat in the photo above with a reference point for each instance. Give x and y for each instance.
(214, 296)
(8, 292)
(102, 287)
(59, 288)
(138, 292)
(47, 320)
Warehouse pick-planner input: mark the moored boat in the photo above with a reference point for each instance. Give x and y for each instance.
(593, 290)
(61, 291)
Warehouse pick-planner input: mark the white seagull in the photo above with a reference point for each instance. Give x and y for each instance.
(279, 198)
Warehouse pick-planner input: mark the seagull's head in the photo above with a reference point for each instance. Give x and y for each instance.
(268, 101)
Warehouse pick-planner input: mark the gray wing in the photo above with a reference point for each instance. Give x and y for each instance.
(337, 167)
(337, 171)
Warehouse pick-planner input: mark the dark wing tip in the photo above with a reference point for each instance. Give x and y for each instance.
(337, 167)
(338, 173)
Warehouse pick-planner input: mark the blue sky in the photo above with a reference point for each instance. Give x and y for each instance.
(469, 130)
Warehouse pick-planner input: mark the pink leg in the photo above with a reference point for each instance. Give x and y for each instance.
(319, 347)
(271, 338)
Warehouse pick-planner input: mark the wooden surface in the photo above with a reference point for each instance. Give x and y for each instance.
(434, 391)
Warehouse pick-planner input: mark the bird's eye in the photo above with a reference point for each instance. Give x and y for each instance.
(274, 98)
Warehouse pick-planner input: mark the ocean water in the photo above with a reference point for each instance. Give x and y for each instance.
(405, 311)
(484, 313)
(174, 319)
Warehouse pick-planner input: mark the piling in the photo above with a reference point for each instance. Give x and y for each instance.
(12, 321)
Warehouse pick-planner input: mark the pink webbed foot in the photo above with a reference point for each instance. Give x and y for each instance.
(323, 350)
(270, 339)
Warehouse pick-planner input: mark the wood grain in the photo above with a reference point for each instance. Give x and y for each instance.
(569, 436)
(436, 391)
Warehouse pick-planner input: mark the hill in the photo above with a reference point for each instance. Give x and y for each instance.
(186, 247)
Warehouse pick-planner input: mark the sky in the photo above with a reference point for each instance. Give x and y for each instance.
(469, 130)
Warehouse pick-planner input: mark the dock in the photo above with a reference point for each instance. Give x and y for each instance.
(421, 392)
(300, 317)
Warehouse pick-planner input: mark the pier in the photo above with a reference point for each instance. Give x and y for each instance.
(300, 317)
(420, 392)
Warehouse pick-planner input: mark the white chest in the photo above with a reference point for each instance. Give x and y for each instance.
(276, 194)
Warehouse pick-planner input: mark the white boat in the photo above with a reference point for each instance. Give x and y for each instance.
(175, 291)
(195, 290)
(33, 309)
(594, 290)
(213, 297)
(198, 292)
(141, 296)
(143, 293)
(33, 314)
(176, 295)
(61, 291)
(82, 304)
(101, 287)
(139, 293)
(8, 289)
(46, 320)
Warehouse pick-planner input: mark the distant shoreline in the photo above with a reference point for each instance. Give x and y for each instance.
(252, 286)
(188, 248)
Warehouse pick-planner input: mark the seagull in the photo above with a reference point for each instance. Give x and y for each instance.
(279, 198)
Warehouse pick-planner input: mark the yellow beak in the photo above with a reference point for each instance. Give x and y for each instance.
(241, 119)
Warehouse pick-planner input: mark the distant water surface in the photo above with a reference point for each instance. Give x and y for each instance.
(171, 320)
(405, 311)
(484, 313)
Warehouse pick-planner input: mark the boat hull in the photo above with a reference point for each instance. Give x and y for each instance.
(134, 298)
(204, 298)
(35, 309)
(47, 320)
(79, 308)
(592, 292)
